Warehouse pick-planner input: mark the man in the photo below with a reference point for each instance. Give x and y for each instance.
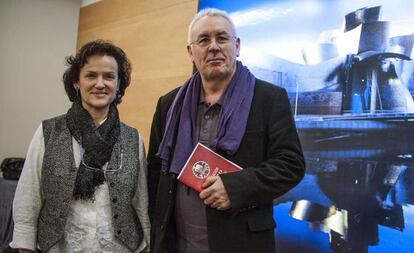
(244, 119)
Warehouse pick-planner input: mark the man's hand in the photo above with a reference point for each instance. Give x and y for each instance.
(214, 194)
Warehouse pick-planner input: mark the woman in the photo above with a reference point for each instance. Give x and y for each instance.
(83, 186)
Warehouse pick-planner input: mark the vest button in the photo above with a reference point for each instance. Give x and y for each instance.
(116, 216)
(114, 200)
(112, 184)
(118, 232)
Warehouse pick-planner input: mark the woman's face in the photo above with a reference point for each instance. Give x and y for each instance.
(98, 82)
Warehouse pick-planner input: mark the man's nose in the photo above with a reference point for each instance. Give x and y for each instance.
(214, 45)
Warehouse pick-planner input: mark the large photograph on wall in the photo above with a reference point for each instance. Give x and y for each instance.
(348, 69)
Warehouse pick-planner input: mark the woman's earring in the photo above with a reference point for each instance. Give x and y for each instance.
(77, 90)
(78, 94)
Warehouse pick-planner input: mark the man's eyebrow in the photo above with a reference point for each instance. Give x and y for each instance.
(223, 33)
(207, 34)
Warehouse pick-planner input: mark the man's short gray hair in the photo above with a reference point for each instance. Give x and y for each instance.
(210, 12)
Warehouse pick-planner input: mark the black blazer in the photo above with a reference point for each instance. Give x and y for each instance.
(271, 155)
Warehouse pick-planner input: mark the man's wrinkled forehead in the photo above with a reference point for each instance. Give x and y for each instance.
(221, 26)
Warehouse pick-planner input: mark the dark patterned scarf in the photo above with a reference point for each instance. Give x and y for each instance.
(97, 142)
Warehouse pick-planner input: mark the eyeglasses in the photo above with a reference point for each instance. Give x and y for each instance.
(105, 171)
(221, 40)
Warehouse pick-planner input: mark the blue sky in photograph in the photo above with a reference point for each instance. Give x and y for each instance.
(285, 28)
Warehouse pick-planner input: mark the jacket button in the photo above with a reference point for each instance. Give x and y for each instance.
(112, 184)
(116, 216)
(114, 200)
(162, 227)
(118, 232)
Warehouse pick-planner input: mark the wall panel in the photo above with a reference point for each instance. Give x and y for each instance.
(153, 34)
(36, 36)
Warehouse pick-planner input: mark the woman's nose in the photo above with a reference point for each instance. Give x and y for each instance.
(100, 82)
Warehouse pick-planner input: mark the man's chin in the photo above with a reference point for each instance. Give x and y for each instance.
(216, 74)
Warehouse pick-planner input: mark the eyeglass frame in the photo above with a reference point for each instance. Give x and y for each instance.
(120, 161)
(228, 37)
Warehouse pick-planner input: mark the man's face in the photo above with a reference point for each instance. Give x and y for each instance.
(214, 48)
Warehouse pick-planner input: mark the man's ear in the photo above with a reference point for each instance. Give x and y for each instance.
(238, 46)
(190, 52)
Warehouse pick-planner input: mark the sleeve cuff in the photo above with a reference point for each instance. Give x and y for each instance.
(24, 237)
(145, 244)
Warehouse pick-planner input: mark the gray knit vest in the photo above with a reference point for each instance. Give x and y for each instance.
(58, 179)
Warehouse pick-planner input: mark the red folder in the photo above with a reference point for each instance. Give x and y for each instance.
(202, 163)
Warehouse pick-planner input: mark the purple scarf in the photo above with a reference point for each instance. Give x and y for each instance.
(182, 115)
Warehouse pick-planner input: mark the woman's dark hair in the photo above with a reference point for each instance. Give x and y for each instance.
(96, 47)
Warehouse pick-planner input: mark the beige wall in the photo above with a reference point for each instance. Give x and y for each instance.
(36, 35)
(153, 33)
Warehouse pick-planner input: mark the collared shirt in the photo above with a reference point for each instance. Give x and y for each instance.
(207, 121)
(190, 210)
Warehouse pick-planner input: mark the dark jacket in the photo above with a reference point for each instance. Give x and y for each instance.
(271, 155)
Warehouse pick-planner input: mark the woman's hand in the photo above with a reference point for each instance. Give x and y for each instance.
(26, 251)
